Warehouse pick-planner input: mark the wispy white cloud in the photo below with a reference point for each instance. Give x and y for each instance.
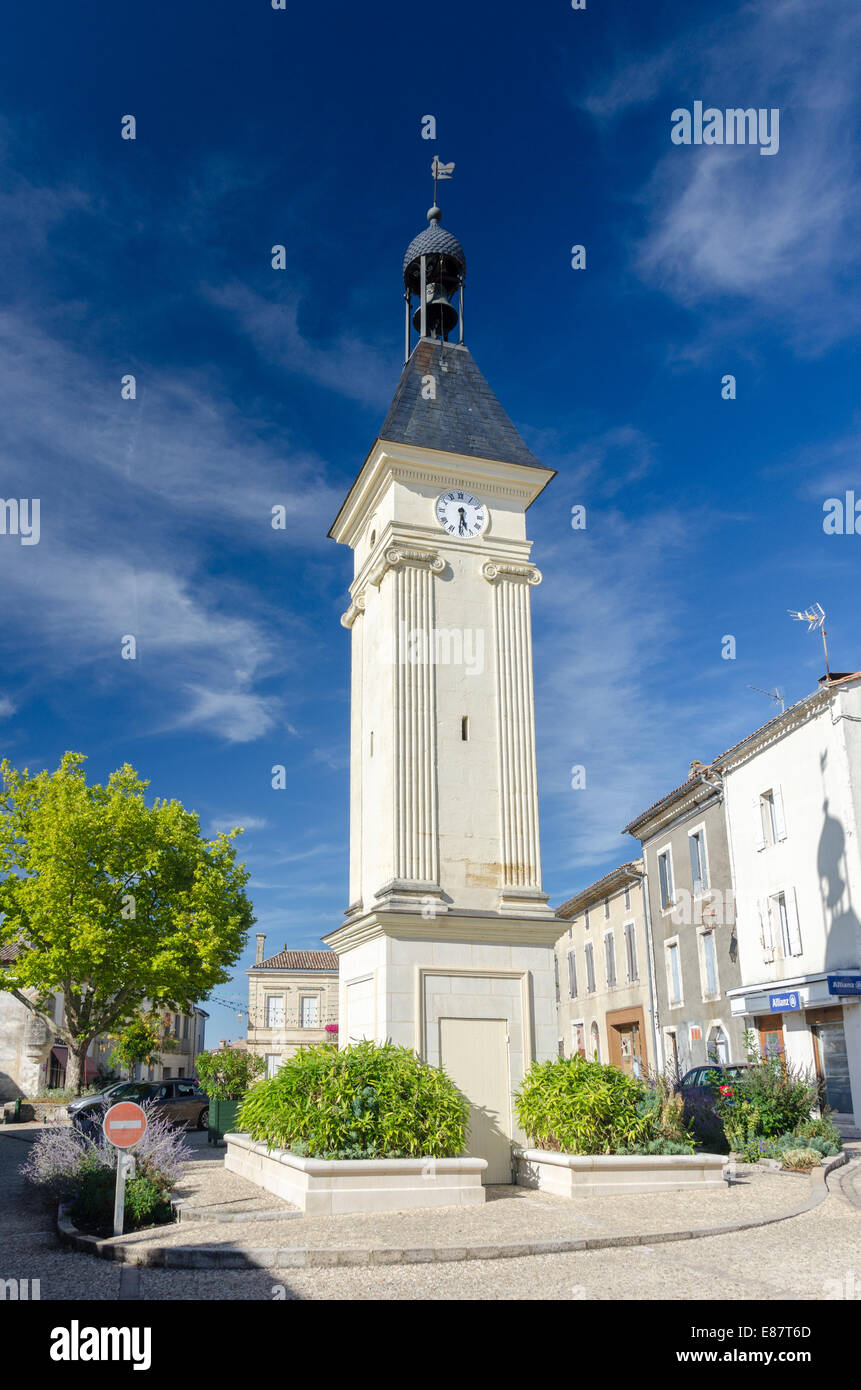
(727, 231)
(349, 366)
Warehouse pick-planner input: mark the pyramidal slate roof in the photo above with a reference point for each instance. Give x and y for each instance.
(465, 418)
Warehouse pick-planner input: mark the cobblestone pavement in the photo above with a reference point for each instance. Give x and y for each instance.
(807, 1257)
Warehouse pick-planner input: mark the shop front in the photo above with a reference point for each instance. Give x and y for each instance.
(814, 1021)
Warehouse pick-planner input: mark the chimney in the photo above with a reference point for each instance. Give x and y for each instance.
(261, 941)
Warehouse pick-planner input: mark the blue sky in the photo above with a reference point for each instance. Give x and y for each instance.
(258, 387)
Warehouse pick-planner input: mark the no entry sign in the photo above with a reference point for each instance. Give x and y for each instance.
(124, 1124)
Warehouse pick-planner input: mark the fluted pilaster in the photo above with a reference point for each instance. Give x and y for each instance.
(416, 834)
(521, 862)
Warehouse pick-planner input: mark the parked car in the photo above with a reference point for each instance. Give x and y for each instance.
(182, 1101)
(114, 1089)
(698, 1083)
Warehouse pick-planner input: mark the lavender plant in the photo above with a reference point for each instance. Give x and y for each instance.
(60, 1154)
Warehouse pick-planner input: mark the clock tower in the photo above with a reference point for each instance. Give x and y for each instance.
(448, 942)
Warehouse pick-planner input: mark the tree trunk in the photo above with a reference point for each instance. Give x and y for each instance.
(76, 1065)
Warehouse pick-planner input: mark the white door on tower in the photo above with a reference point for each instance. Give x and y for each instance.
(474, 1053)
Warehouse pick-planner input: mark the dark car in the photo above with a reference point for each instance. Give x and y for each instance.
(181, 1101)
(106, 1094)
(698, 1084)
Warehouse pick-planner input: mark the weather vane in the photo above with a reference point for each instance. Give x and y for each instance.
(440, 171)
(814, 617)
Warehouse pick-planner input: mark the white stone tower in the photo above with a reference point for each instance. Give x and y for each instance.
(447, 944)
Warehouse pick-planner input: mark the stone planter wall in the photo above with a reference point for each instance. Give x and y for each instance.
(323, 1187)
(608, 1175)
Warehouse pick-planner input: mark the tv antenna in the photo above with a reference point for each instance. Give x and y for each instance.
(776, 694)
(814, 617)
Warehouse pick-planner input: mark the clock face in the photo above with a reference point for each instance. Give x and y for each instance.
(460, 514)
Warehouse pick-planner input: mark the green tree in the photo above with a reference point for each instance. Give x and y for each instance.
(141, 1041)
(111, 901)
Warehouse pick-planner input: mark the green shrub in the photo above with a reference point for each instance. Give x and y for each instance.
(575, 1106)
(147, 1199)
(801, 1159)
(369, 1100)
(768, 1099)
(821, 1128)
(227, 1074)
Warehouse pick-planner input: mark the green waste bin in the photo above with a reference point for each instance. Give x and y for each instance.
(222, 1118)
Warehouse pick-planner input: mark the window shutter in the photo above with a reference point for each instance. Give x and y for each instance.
(758, 836)
(765, 933)
(779, 818)
(794, 924)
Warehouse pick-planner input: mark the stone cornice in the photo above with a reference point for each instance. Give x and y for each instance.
(541, 930)
(410, 462)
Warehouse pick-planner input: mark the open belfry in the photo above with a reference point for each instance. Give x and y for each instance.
(447, 945)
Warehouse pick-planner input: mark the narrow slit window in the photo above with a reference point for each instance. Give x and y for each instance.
(372, 743)
(464, 728)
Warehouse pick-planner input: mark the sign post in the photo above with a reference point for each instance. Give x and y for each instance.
(124, 1126)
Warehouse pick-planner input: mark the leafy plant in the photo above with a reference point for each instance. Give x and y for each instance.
(801, 1160)
(572, 1105)
(821, 1127)
(227, 1074)
(62, 1156)
(769, 1098)
(141, 1041)
(372, 1099)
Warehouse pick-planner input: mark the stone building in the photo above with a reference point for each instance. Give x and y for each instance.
(292, 1001)
(691, 910)
(603, 973)
(33, 1059)
(447, 944)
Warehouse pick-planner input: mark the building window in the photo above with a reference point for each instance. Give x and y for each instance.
(560, 1047)
(310, 1011)
(572, 975)
(665, 878)
(610, 958)
(606, 909)
(699, 869)
(784, 917)
(718, 1045)
(590, 968)
(674, 976)
(628, 898)
(772, 824)
(273, 1062)
(166, 1072)
(556, 976)
(631, 950)
(595, 1041)
(275, 1011)
(710, 981)
(464, 728)
(578, 1039)
(586, 919)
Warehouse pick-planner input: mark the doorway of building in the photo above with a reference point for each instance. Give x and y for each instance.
(770, 1027)
(832, 1063)
(625, 1033)
(474, 1053)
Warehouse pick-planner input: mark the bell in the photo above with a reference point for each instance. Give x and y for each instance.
(441, 316)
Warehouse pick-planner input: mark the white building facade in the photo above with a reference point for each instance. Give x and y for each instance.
(793, 800)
